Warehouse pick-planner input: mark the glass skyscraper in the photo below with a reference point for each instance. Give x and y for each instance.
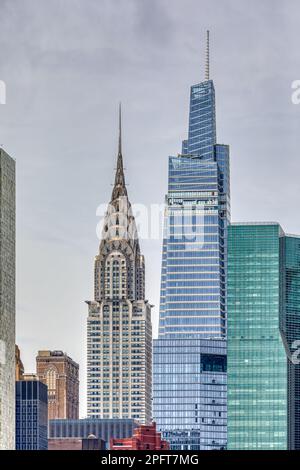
(193, 283)
(257, 375)
(263, 323)
(31, 415)
(190, 392)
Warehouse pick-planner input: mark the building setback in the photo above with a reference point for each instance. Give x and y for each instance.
(119, 331)
(263, 323)
(31, 415)
(193, 282)
(61, 375)
(7, 300)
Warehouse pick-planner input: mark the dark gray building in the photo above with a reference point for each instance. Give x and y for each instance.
(7, 301)
(31, 415)
(92, 443)
(83, 428)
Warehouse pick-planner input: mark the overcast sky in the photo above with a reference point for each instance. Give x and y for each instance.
(67, 64)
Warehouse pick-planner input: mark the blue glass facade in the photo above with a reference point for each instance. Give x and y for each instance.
(190, 392)
(193, 275)
(202, 121)
(31, 415)
(193, 278)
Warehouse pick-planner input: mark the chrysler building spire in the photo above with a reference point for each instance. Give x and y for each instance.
(120, 130)
(119, 186)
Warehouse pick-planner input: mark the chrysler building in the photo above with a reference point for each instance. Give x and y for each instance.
(119, 330)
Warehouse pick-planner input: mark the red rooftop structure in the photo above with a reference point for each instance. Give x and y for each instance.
(144, 438)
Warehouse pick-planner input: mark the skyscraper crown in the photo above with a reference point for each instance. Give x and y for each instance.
(119, 241)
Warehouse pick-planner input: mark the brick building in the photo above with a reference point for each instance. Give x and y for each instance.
(61, 375)
(144, 438)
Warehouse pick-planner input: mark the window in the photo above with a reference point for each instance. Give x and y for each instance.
(213, 363)
(51, 376)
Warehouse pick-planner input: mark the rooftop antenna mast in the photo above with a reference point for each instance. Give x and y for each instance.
(120, 129)
(207, 58)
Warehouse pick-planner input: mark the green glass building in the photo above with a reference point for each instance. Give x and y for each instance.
(290, 330)
(257, 360)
